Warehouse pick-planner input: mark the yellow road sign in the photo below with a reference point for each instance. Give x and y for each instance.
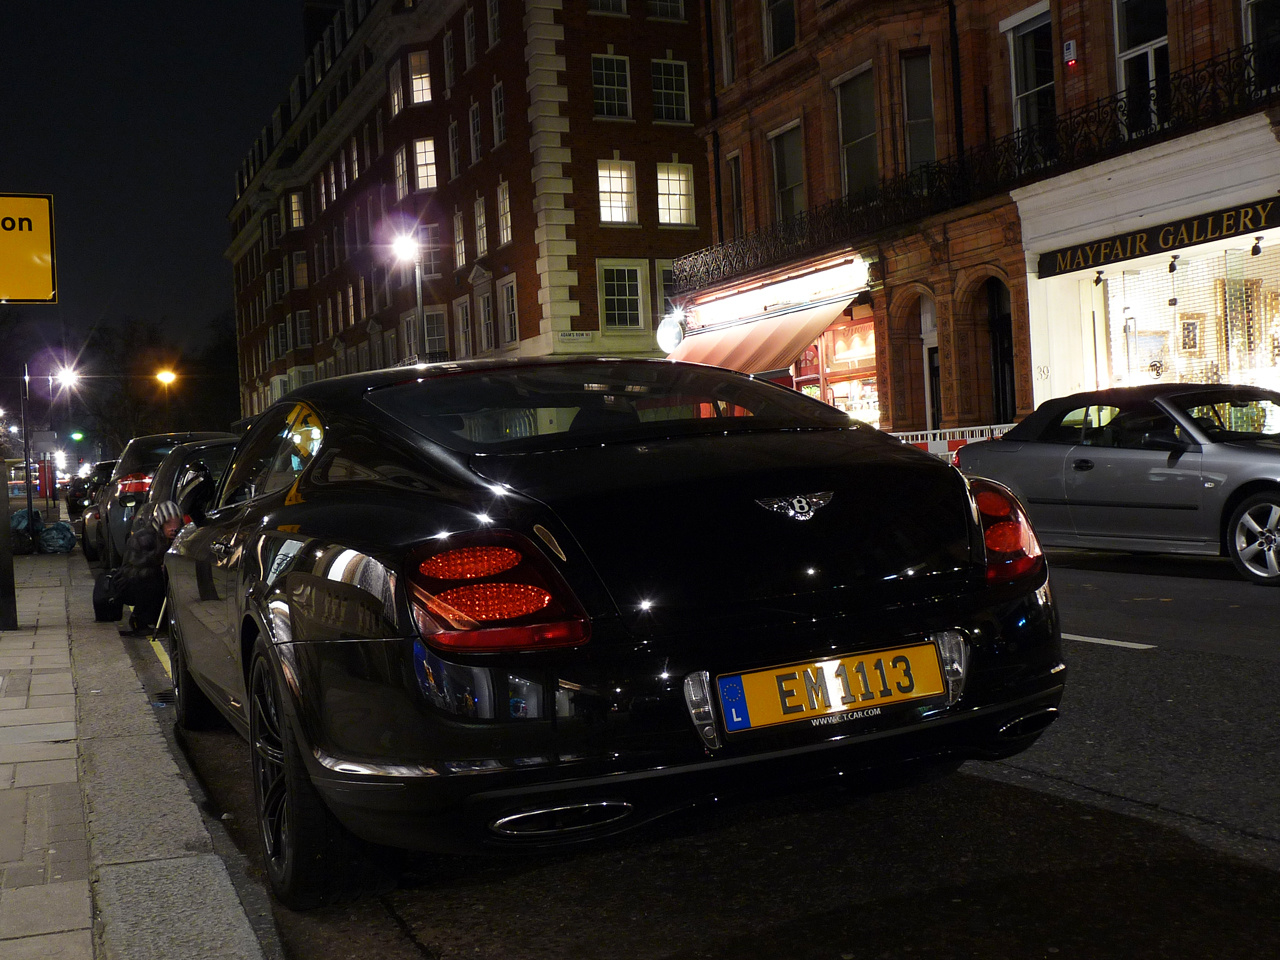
(26, 249)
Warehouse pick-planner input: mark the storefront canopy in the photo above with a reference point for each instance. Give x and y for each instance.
(762, 344)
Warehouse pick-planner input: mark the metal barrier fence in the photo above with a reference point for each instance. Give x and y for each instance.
(944, 443)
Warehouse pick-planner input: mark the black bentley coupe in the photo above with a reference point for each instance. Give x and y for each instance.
(506, 604)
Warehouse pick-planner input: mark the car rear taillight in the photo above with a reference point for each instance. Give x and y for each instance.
(136, 483)
(492, 593)
(1012, 548)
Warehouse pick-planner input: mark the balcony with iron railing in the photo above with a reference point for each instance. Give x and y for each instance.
(1205, 94)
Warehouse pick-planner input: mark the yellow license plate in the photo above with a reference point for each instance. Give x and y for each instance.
(830, 691)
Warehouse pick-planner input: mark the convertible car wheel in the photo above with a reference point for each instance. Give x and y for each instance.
(1254, 538)
(310, 859)
(192, 709)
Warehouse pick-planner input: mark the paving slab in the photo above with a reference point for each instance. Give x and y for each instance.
(49, 908)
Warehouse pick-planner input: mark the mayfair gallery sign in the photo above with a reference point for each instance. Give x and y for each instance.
(26, 249)
(1233, 221)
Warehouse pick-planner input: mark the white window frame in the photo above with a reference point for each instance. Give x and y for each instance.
(301, 270)
(455, 150)
(494, 24)
(676, 206)
(616, 180)
(449, 76)
(462, 327)
(420, 76)
(642, 295)
(498, 104)
(603, 104)
(838, 87)
(1012, 28)
(474, 122)
(435, 332)
(401, 163)
(771, 50)
(482, 229)
(396, 88)
(424, 163)
(469, 37)
(665, 9)
(670, 105)
(429, 240)
(488, 328)
(508, 308)
(907, 121)
(459, 240)
(504, 213)
(297, 216)
(774, 138)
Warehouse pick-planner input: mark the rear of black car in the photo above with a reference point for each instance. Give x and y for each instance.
(743, 591)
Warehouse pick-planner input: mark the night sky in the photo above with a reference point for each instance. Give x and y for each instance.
(135, 117)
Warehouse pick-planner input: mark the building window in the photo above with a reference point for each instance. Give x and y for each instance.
(507, 304)
(670, 91)
(389, 357)
(397, 90)
(424, 162)
(495, 27)
(622, 294)
(504, 213)
(420, 77)
(617, 191)
(917, 88)
(737, 212)
(607, 6)
(665, 287)
(301, 275)
(859, 157)
(351, 304)
(469, 37)
(402, 174)
(779, 27)
(667, 9)
(728, 41)
(296, 218)
(455, 149)
(1143, 42)
(462, 326)
(448, 59)
(1031, 44)
(475, 132)
(302, 321)
(435, 343)
(675, 193)
(611, 85)
(355, 159)
(1262, 33)
(788, 173)
(498, 103)
(429, 241)
(283, 345)
(482, 229)
(459, 241)
(486, 323)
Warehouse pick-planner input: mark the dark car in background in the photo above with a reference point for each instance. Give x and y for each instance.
(85, 523)
(505, 605)
(1189, 468)
(200, 458)
(130, 485)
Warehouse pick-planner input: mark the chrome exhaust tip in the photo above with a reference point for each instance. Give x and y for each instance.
(1030, 724)
(558, 821)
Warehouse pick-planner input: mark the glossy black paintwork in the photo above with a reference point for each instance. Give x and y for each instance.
(420, 747)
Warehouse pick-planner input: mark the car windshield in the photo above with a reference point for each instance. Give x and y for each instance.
(543, 406)
(1232, 414)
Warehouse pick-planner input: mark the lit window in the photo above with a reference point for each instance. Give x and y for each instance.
(402, 174)
(420, 76)
(424, 161)
(617, 191)
(670, 91)
(397, 90)
(459, 241)
(611, 86)
(675, 193)
(355, 160)
(482, 230)
(301, 275)
(504, 213)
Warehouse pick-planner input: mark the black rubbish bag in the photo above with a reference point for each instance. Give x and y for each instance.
(108, 606)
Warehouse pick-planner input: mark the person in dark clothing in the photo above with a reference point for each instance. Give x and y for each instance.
(141, 578)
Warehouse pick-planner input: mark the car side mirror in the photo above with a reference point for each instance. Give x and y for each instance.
(1160, 441)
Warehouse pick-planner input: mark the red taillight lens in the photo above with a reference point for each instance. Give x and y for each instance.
(501, 594)
(136, 483)
(1012, 548)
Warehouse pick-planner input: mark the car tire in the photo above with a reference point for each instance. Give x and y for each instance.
(310, 859)
(90, 549)
(192, 709)
(1253, 538)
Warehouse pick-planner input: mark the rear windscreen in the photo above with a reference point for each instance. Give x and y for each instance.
(555, 405)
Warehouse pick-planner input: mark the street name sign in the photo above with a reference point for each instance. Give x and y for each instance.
(26, 249)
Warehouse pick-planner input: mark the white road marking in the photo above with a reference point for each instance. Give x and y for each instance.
(1109, 643)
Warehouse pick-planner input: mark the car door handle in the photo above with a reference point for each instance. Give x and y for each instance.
(1082, 465)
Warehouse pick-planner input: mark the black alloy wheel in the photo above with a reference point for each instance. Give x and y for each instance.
(310, 859)
(1253, 538)
(192, 709)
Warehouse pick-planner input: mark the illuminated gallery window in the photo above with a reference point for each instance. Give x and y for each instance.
(617, 179)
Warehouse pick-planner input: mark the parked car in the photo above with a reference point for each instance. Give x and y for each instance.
(76, 495)
(200, 458)
(129, 486)
(501, 605)
(90, 515)
(1187, 468)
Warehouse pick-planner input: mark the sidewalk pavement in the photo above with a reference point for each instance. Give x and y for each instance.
(103, 851)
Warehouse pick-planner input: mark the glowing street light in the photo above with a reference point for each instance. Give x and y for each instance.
(166, 377)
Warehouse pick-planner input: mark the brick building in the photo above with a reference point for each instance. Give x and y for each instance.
(543, 154)
(911, 200)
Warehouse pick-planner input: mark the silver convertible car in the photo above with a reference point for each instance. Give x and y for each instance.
(1162, 468)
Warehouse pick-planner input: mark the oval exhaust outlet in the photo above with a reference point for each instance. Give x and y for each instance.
(1031, 723)
(551, 821)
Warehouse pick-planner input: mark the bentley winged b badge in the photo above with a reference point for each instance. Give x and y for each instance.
(800, 507)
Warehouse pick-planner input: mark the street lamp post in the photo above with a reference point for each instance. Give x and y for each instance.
(166, 378)
(408, 248)
(26, 446)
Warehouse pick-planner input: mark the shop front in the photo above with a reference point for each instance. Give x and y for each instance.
(1163, 265)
